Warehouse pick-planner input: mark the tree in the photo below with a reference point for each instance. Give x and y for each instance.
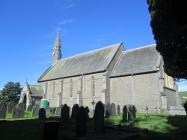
(169, 27)
(10, 92)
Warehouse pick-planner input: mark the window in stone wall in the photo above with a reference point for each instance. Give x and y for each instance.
(169, 81)
(71, 88)
(53, 91)
(92, 86)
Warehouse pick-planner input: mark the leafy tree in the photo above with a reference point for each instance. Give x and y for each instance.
(10, 92)
(169, 26)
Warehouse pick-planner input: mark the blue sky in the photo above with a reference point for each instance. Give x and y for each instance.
(28, 29)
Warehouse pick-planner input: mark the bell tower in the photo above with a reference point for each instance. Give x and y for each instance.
(56, 56)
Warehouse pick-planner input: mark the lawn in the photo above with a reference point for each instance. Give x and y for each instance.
(155, 126)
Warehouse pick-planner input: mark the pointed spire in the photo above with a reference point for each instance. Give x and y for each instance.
(57, 41)
(56, 50)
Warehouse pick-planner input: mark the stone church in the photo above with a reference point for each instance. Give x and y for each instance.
(110, 74)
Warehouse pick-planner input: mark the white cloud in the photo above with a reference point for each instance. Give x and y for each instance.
(182, 85)
(182, 88)
(65, 22)
(70, 4)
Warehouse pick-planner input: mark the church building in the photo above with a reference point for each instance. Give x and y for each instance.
(111, 75)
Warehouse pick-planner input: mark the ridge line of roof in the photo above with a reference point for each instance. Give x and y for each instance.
(134, 49)
(108, 46)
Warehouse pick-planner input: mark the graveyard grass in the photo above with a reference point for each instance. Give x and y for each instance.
(153, 122)
(156, 125)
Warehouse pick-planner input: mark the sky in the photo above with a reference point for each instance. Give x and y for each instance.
(28, 29)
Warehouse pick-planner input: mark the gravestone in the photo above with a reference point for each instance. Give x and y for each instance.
(50, 130)
(99, 117)
(125, 114)
(29, 108)
(3, 109)
(129, 112)
(22, 106)
(113, 109)
(18, 112)
(42, 114)
(65, 114)
(52, 110)
(35, 110)
(81, 122)
(74, 112)
(108, 110)
(134, 110)
(57, 111)
(87, 112)
(118, 110)
(10, 107)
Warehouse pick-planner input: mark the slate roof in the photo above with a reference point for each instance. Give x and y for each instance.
(36, 90)
(90, 62)
(140, 60)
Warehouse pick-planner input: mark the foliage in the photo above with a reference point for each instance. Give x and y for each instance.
(169, 26)
(10, 92)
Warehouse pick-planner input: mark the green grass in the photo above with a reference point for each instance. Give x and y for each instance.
(183, 94)
(154, 122)
(159, 126)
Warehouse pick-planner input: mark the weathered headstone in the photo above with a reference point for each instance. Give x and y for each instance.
(118, 110)
(87, 112)
(65, 114)
(125, 114)
(113, 109)
(108, 110)
(50, 131)
(57, 111)
(81, 122)
(35, 111)
(3, 109)
(18, 112)
(74, 112)
(10, 107)
(99, 117)
(42, 114)
(29, 108)
(22, 106)
(129, 112)
(134, 110)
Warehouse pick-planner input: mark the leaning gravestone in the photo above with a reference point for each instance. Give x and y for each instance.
(10, 107)
(75, 110)
(18, 112)
(81, 122)
(125, 114)
(35, 110)
(99, 117)
(42, 114)
(3, 109)
(65, 114)
(118, 110)
(113, 109)
(57, 111)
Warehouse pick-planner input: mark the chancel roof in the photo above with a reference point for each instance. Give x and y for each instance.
(91, 62)
(140, 60)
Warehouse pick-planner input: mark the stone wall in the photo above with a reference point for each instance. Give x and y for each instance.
(171, 97)
(141, 90)
(80, 90)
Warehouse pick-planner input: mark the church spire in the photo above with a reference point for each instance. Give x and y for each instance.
(56, 50)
